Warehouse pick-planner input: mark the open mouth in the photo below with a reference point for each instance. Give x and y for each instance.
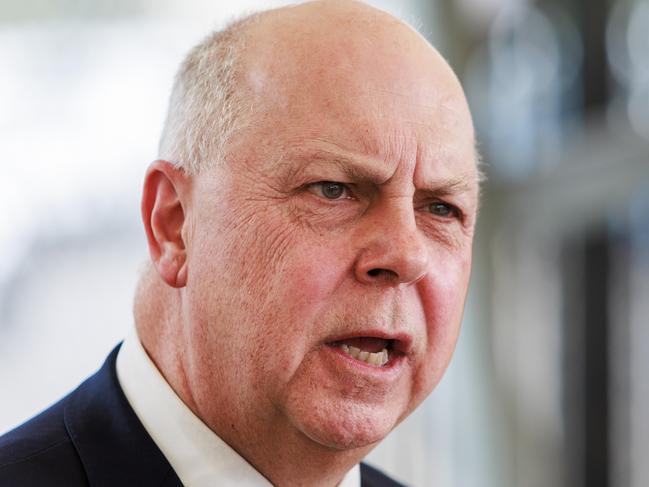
(374, 351)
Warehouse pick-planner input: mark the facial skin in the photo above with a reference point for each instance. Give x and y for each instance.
(271, 268)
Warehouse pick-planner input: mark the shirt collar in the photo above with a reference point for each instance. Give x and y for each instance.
(196, 453)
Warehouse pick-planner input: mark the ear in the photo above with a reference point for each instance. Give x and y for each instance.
(163, 213)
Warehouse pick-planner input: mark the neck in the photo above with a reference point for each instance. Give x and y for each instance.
(156, 315)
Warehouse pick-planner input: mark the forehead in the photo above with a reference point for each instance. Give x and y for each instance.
(384, 94)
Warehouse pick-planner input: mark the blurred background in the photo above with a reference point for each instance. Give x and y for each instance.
(549, 383)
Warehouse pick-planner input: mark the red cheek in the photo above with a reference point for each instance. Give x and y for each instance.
(443, 294)
(316, 274)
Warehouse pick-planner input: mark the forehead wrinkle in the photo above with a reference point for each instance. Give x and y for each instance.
(447, 187)
(356, 166)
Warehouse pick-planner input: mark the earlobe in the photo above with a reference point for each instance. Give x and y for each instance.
(163, 215)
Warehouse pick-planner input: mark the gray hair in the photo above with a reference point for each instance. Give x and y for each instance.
(204, 105)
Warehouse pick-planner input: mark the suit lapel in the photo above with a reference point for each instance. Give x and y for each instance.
(114, 447)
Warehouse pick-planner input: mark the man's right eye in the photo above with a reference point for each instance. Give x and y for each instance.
(330, 190)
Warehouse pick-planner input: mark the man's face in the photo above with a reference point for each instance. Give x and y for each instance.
(342, 220)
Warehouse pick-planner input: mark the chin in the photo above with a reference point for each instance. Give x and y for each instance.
(346, 426)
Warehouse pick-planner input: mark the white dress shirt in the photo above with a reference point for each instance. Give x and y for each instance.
(198, 456)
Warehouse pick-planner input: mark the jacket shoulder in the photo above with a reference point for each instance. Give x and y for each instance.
(40, 452)
(371, 477)
(91, 437)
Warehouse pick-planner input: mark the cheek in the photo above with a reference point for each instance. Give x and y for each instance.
(443, 294)
(307, 283)
(300, 300)
(317, 272)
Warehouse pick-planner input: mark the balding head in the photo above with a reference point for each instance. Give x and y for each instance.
(276, 55)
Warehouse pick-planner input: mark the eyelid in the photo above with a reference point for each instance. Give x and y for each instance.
(349, 194)
(457, 213)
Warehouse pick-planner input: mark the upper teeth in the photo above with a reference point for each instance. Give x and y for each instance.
(377, 358)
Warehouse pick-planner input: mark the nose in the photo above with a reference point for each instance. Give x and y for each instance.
(393, 251)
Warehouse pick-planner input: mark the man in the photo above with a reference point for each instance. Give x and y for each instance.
(310, 223)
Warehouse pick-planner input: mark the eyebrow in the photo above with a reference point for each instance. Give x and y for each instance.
(447, 187)
(359, 168)
(362, 169)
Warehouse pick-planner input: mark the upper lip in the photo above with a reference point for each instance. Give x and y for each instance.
(400, 341)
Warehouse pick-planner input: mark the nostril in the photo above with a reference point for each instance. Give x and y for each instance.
(378, 272)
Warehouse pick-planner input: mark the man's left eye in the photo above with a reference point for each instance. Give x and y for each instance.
(330, 190)
(442, 210)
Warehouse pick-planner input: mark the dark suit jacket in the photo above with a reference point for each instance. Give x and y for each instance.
(92, 437)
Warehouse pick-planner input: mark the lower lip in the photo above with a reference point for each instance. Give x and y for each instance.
(392, 368)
